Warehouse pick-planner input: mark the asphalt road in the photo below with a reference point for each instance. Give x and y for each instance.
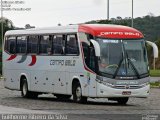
(154, 79)
(49, 107)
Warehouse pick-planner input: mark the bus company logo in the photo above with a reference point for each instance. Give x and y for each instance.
(23, 58)
(127, 87)
(120, 33)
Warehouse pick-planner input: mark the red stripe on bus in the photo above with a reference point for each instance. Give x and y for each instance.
(11, 57)
(34, 59)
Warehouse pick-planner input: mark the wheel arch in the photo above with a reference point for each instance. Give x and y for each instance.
(21, 78)
(75, 80)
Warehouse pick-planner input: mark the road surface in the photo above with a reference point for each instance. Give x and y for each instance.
(11, 102)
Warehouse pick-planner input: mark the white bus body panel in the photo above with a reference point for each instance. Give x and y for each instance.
(48, 77)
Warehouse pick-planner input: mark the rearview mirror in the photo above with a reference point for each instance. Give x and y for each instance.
(155, 48)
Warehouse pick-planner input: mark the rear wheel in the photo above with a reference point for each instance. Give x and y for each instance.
(24, 90)
(77, 94)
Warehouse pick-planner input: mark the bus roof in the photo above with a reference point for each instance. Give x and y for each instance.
(111, 31)
(49, 30)
(98, 30)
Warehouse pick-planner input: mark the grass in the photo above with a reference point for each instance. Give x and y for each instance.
(155, 84)
(155, 73)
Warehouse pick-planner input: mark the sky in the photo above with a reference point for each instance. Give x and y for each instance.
(48, 13)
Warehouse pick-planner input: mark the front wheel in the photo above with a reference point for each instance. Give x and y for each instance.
(77, 94)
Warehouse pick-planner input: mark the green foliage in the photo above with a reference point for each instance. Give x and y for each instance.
(155, 84)
(112, 21)
(155, 73)
(7, 25)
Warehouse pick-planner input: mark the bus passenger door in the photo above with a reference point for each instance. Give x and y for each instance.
(92, 75)
(89, 58)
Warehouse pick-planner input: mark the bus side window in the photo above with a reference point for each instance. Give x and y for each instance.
(86, 52)
(32, 44)
(92, 59)
(72, 45)
(58, 44)
(10, 45)
(21, 44)
(89, 56)
(44, 44)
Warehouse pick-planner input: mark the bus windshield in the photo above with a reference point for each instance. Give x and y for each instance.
(123, 58)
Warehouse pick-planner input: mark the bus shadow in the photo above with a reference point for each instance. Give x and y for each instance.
(40, 100)
(54, 99)
(89, 102)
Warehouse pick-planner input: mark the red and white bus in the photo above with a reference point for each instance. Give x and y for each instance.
(86, 61)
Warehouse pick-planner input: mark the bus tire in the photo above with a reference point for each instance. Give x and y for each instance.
(24, 90)
(77, 94)
(122, 101)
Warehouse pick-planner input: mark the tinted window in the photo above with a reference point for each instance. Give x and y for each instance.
(92, 59)
(58, 44)
(72, 45)
(86, 52)
(33, 44)
(44, 45)
(10, 45)
(21, 44)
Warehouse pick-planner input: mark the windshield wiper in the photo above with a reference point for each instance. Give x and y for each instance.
(119, 65)
(133, 66)
(125, 56)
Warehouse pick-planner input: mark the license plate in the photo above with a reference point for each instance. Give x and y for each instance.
(126, 93)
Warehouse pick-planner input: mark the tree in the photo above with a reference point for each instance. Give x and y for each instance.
(7, 25)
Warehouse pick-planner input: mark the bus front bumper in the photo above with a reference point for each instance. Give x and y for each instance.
(104, 91)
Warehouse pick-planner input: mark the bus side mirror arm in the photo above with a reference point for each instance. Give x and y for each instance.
(96, 47)
(155, 48)
(155, 52)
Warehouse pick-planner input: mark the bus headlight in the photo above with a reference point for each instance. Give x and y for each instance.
(99, 79)
(145, 84)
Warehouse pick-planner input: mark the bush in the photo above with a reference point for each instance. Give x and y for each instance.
(155, 73)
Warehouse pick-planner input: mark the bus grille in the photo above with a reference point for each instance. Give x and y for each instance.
(127, 86)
